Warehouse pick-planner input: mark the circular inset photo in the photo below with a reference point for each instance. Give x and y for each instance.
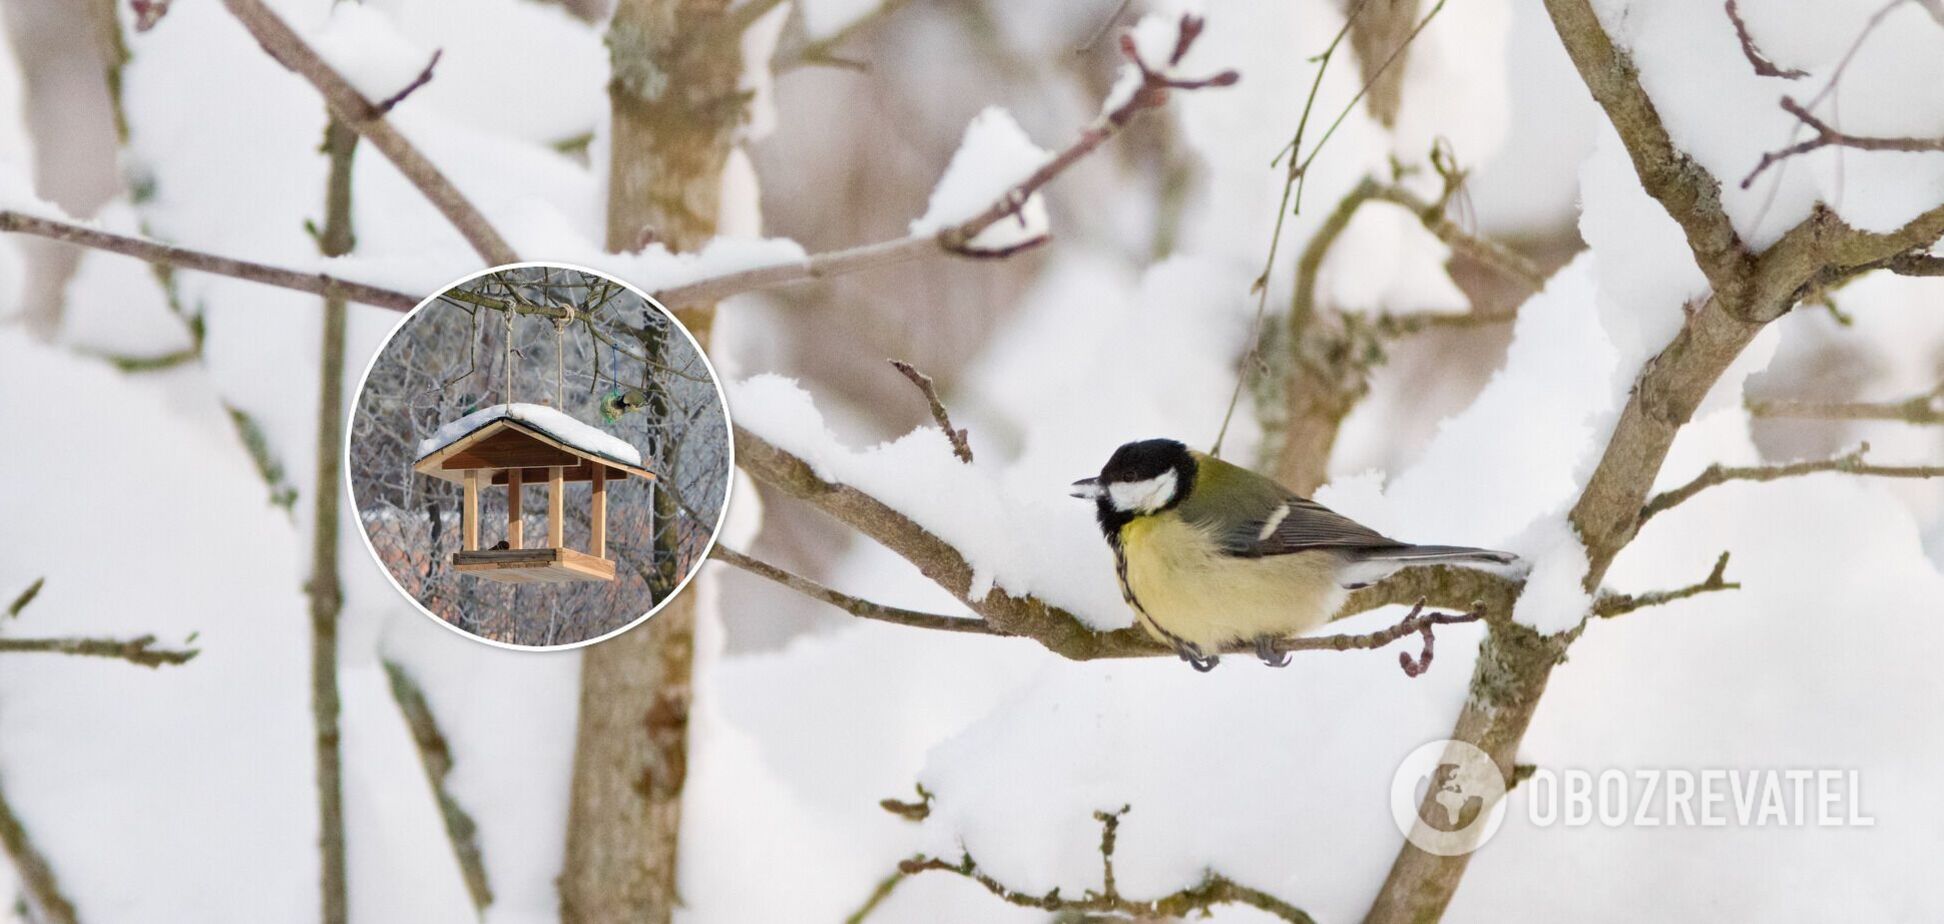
(539, 456)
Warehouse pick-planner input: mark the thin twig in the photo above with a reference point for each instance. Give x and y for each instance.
(436, 756)
(288, 48)
(853, 605)
(139, 651)
(424, 77)
(1927, 408)
(961, 444)
(1763, 66)
(185, 258)
(39, 885)
(1196, 901)
(1827, 135)
(26, 596)
(1611, 605)
(1849, 463)
(1155, 88)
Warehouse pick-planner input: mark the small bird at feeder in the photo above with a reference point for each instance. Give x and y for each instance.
(621, 401)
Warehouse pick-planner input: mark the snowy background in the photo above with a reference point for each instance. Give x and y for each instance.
(161, 428)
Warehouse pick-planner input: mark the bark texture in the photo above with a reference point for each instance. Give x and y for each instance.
(676, 107)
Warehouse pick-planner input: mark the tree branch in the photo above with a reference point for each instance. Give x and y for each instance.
(1756, 59)
(39, 885)
(1153, 92)
(1195, 901)
(1029, 617)
(1849, 463)
(139, 651)
(185, 258)
(961, 446)
(1927, 408)
(1749, 290)
(1827, 135)
(855, 606)
(351, 108)
(436, 755)
(1611, 605)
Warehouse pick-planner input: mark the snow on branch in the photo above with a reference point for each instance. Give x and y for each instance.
(1756, 59)
(1058, 630)
(1195, 901)
(351, 107)
(1146, 84)
(1849, 463)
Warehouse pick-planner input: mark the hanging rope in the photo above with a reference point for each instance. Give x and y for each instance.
(509, 358)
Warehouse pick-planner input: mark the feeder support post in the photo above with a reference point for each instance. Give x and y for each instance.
(515, 529)
(469, 512)
(597, 516)
(556, 493)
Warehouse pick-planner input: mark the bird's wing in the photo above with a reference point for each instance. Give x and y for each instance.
(1258, 517)
(1300, 525)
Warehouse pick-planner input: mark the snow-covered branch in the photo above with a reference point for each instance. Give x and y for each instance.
(1849, 463)
(1750, 289)
(1060, 631)
(1149, 88)
(367, 118)
(185, 258)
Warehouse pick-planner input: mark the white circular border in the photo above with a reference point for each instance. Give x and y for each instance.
(728, 490)
(1476, 767)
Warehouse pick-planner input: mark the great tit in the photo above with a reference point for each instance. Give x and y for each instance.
(1210, 554)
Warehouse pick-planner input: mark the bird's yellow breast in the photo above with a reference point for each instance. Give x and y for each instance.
(1180, 580)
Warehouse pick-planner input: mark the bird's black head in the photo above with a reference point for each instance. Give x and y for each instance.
(1140, 478)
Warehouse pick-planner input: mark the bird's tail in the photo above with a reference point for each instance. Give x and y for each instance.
(1435, 555)
(1367, 566)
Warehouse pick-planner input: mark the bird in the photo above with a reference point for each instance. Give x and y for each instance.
(1209, 554)
(620, 401)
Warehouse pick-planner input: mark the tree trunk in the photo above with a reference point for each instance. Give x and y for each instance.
(676, 67)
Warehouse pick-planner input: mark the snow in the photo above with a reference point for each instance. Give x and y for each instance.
(209, 790)
(206, 768)
(540, 417)
(1554, 599)
(1691, 64)
(995, 156)
(1023, 540)
(825, 18)
(362, 44)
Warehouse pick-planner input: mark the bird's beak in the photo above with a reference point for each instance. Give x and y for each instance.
(1086, 488)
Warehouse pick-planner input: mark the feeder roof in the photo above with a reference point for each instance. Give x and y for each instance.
(518, 436)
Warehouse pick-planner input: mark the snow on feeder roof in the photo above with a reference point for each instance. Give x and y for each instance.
(542, 420)
(519, 444)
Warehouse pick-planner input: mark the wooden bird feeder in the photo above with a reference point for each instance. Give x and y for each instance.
(514, 445)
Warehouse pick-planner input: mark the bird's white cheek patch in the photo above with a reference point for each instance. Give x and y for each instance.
(1143, 496)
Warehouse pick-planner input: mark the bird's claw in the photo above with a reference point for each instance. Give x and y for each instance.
(1192, 653)
(1265, 648)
